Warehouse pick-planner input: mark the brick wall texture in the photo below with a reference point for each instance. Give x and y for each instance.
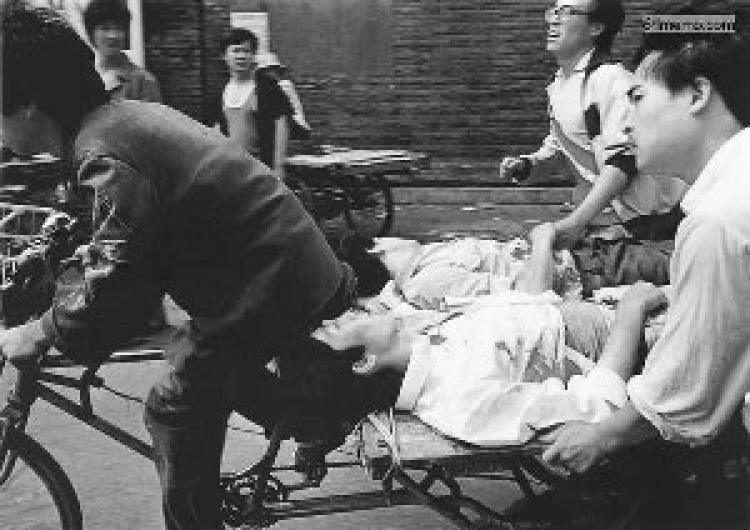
(466, 82)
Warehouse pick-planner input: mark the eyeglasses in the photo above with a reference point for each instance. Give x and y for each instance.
(562, 13)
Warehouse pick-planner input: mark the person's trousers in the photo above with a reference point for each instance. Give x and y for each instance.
(644, 254)
(609, 263)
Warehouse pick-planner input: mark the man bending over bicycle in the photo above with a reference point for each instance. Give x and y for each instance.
(178, 210)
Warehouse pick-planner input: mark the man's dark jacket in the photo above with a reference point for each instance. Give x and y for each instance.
(179, 209)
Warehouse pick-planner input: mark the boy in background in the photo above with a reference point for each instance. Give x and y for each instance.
(254, 106)
(107, 24)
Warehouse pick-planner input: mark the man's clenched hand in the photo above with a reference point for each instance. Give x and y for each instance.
(25, 344)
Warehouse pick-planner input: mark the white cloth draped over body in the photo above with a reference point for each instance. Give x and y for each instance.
(491, 369)
(493, 373)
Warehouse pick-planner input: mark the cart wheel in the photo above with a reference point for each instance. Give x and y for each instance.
(302, 191)
(369, 209)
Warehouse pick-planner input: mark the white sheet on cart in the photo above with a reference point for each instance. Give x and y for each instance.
(493, 374)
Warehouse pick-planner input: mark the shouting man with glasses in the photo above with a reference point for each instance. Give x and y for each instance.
(587, 107)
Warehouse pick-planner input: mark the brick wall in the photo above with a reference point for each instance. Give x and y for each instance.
(466, 84)
(173, 51)
(216, 22)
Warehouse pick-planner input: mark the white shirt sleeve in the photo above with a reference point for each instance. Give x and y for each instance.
(609, 85)
(697, 373)
(549, 152)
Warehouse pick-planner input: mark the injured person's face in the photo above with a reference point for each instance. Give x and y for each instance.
(387, 345)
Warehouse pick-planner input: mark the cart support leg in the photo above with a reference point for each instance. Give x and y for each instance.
(449, 506)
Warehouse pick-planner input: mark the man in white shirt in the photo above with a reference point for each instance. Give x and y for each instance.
(587, 106)
(690, 113)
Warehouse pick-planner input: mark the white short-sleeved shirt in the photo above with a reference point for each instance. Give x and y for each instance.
(240, 105)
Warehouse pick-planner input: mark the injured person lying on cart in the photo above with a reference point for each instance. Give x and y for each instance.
(497, 369)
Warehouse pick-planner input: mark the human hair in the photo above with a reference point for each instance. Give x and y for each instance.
(98, 12)
(47, 62)
(721, 58)
(239, 36)
(372, 275)
(611, 14)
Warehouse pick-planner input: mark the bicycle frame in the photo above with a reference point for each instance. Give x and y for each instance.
(37, 384)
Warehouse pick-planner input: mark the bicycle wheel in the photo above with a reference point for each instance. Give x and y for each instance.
(369, 208)
(34, 490)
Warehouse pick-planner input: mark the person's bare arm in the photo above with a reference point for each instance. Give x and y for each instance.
(611, 183)
(620, 353)
(580, 445)
(519, 168)
(538, 273)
